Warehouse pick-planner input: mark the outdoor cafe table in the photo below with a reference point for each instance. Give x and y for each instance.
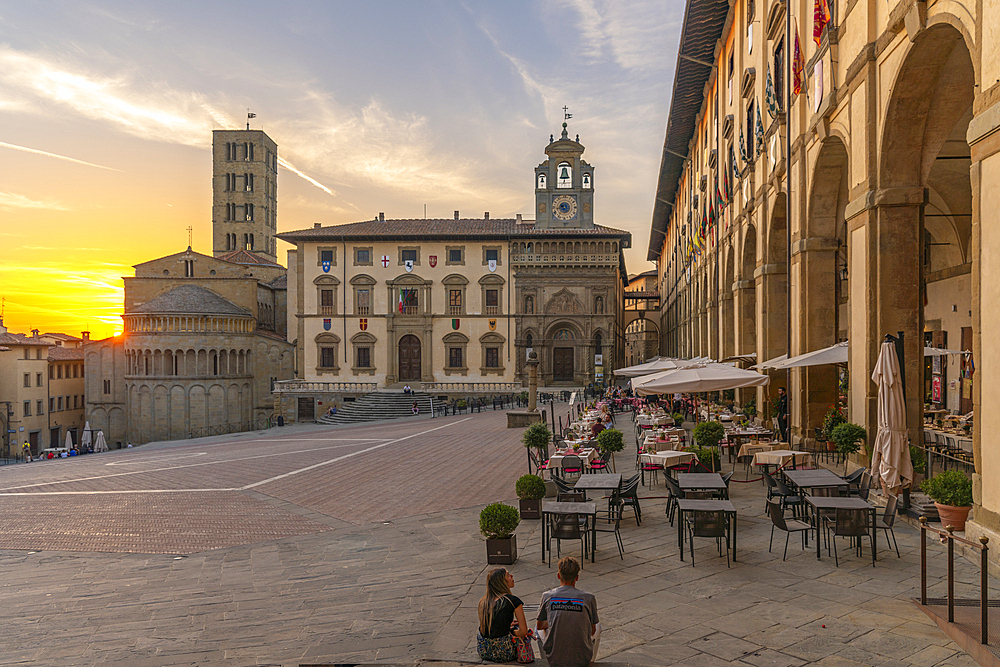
(666, 459)
(820, 478)
(701, 481)
(820, 503)
(586, 455)
(767, 446)
(564, 508)
(599, 482)
(692, 505)
(780, 457)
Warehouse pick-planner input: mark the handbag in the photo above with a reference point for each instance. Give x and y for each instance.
(522, 646)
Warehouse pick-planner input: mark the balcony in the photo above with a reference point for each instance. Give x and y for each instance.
(364, 310)
(327, 310)
(454, 310)
(411, 310)
(492, 310)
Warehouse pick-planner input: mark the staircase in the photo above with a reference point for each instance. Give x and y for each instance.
(379, 406)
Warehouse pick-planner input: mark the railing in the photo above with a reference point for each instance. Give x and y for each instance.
(492, 310)
(364, 310)
(951, 601)
(411, 310)
(470, 386)
(327, 310)
(454, 310)
(237, 427)
(303, 386)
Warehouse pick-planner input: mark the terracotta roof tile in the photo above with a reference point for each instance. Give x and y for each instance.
(189, 299)
(21, 339)
(246, 257)
(439, 228)
(65, 353)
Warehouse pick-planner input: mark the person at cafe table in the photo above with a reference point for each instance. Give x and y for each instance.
(596, 428)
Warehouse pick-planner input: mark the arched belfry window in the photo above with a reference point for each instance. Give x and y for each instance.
(586, 181)
(529, 341)
(541, 182)
(564, 175)
(598, 343)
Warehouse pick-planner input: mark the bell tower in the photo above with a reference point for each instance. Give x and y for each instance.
(564, 186)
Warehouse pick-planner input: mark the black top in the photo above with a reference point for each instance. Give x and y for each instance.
(503, 615)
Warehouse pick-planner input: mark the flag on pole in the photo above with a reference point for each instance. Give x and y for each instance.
(770, 97)
(821, 19)
(759, 139)
(743, 147)
(798, 65)
(727, 187)
(736, 167)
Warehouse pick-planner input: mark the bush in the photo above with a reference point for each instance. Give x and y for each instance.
(848, 437)
(678, 418)
(610, 440)
(918, 459)
(750, 407)
(530, 487)
(536, 436)
(949, 488)
(462, 404)
(708, 456)
(498, 521)
(834, 418)
(708, 434)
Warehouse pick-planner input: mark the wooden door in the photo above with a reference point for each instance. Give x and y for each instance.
(409, 358)
(307, 410)
(562, 364)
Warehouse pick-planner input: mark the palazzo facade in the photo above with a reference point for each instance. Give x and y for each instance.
(462, 300)
(887, 225)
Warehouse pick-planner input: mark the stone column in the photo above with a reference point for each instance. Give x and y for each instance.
(532, 381)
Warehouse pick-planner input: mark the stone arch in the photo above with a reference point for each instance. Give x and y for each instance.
(747, 294)
(362, 279)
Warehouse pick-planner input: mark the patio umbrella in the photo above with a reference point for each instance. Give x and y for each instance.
(770, 363)
(99, 444)
(835, 354)
(85, 439)
(707, 377)
(659, 364)
(941, 352)
(69, 440)
(891, 463)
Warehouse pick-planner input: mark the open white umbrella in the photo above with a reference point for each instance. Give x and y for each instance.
(709, 377)
(660, 364)
(891, 463)
(99, 444)
(835, 354)
(941, 352)
(85, 439)
(770, 363)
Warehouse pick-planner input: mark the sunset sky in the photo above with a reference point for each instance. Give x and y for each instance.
(107, 111)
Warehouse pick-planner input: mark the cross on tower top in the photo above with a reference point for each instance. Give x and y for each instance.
(566, 115)
(190, 235)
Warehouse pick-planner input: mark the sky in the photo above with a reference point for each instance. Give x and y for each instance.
(107, 111)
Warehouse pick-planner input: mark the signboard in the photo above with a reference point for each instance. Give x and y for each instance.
(598, 359)
(936, 389)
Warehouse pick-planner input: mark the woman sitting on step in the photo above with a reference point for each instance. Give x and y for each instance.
(501, 619)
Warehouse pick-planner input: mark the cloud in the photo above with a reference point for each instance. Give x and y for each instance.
(9, 200)
(35, 151)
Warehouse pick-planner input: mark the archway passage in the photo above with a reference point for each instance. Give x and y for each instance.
(922, 278)
(409, 358)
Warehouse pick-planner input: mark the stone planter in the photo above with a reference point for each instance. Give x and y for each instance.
(501, 552)
(953, 516)
(530, 508)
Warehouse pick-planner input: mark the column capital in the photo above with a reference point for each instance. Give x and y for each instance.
(814, 244)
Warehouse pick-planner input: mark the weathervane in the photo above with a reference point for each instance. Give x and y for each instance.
(566, 115)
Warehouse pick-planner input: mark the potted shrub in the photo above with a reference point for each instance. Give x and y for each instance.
(833, 418)
(462, 404)
(708, 457)
(610, 440)
(536, 437)
(939, 423)
(678, 419)
(530, 490)
(967, 428)
(951, 492)
(709, 434)
(497, 523)
(848, 438)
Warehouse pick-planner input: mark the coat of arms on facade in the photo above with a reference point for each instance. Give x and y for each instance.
(409, 265)
(493, 265)
(493, 325)
(432, 260)
(385, 261)
(327, 323)
(326, 266)
(455, 324)
(363, 323)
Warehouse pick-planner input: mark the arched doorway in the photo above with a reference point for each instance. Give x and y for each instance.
(562, 356)
(409, 358)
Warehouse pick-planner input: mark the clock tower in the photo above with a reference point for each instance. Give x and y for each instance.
(564, 186)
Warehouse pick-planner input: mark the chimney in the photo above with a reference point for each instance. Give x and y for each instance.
(519, 218)
(381, 216)
(85, 335)
(456, 215)
(486, 216)
(317, 225)
(34, 333)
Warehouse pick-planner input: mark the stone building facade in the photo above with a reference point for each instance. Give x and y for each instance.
(460, 301)
(24, 391)
(244, 192)
(888, 222)
(203, 343)
(642, 338)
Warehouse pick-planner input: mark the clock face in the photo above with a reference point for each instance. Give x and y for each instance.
(564, 207)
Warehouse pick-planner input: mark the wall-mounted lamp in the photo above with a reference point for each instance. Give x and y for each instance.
(843, 271)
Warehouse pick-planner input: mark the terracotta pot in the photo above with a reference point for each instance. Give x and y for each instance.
(831, 446)
(953, 516)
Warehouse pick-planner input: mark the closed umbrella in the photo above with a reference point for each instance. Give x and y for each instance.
(891, 463)
(99, 444)
(707, 377)
(69, 440)
(85, 439)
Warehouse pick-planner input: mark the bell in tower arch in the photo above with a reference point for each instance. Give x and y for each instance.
(564, 173)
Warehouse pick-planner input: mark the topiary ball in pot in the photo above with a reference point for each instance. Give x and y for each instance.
(709, 434)
(497, 523)
(951, 492)
(530, 490)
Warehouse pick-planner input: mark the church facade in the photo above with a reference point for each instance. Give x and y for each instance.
(462, 301)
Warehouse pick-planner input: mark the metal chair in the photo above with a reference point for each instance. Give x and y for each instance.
(572, 464)
(601, 463)
(630, 496)
(675, 493)
(751, 451)
(887, 519)
(851, 523)
(539, 466)
(725, 479)
(615, 518)
(652, 468)
(865, 486)
(778, 521)
(702, 523)
(778, 489)
(562, 486)
(566, 527)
